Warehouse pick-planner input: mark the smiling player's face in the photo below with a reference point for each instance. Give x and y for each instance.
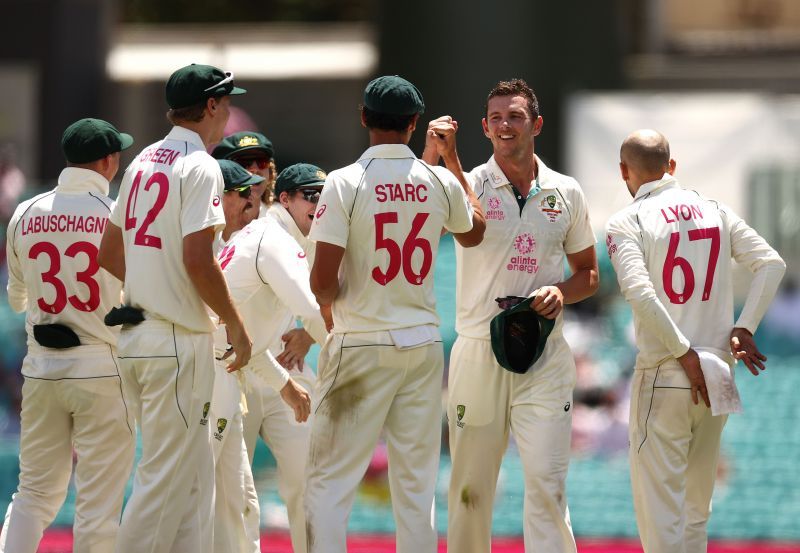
(301, 209)
(510, 126)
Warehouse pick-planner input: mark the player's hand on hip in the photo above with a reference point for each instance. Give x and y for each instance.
(327, 315)
(548, 302)
(691, 366)
(298, 399)
(242, 346)
(743, 348)
(296, 344)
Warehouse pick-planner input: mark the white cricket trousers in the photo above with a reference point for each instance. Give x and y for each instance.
(233, 476)
(271, 418)
(89, 415)
(364, 384)
(167, 374)
(485, 402)
(674, 449)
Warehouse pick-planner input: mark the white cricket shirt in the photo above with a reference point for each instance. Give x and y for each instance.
(172, 189)
(52, 244)
(520, 252)
(268, 278)
(672, 250)
(388, 210)
(285, 220)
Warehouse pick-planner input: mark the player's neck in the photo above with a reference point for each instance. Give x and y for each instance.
(521, 171)
(378, 137)
(205, 131)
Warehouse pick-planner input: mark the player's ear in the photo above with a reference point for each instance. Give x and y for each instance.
(211, 105)
(623, 170)
(537, 126)
(412, 126)
(363, 118)
(672, 165)
(485, 126)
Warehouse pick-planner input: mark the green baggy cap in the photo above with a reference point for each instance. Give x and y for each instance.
(235, 176)
(196, 83)
(519, 335)
(88, 140)
(393, 95)
(247, 141)
(299, 175)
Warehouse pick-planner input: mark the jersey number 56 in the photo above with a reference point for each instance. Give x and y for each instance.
(402, 257)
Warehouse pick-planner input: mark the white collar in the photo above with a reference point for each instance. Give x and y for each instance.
(667, 181)
(497, 178)
(183, 134)
(390, 151)
(76, 179)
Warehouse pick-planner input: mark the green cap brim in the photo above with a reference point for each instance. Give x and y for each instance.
(256, 148)
(253, 180)
(236, 90)
(126, 140)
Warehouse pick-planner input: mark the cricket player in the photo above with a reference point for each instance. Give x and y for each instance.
(166, 216)
(72, 395)
(297, 189)
(255, 152)
(378, 221)
(671, 249)
(535, 217)
(236, 523)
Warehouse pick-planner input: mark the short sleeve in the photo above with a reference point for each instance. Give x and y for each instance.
(332, 218)
(580, 234)
(461, 211)
(201, 192)
(116, 215)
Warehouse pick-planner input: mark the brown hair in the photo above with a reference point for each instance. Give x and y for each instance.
(192, 114)
(515, 87)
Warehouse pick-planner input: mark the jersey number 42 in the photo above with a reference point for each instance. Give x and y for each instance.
(141, 238)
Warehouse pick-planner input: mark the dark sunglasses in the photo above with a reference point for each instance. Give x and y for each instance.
(311, 196)
(247, 162)
(244, 191)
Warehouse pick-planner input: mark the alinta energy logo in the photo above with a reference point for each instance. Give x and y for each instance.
(494, 212)
(525, 244)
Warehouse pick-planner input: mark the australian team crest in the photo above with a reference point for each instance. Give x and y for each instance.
(460, 410)
(221, 424)
(247, 140)
(551, 206)
(204, 418)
